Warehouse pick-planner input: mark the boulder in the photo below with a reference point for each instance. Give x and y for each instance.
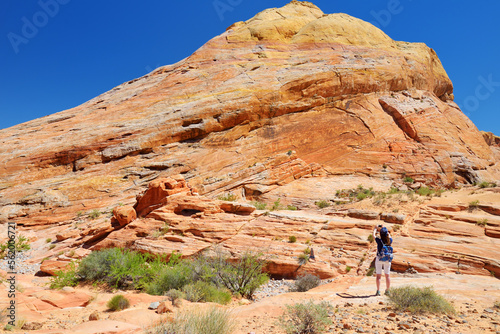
(52, 266)
(164, 307)
(237, 208)
(124, 214)
(393, 218)
(363, 214)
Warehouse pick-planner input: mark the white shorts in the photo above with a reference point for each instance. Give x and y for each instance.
(386, 265)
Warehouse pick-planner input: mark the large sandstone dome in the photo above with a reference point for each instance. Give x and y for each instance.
(292, 93)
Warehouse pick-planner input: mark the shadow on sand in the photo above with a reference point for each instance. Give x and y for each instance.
(347, 295)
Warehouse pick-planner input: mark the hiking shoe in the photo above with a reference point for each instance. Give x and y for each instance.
(377, 293)
(387, 293)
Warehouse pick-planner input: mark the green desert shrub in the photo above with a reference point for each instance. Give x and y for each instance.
(370, 271)
(62, 278)
(322, 204)
(211, 321)
(206, 292)
(419, 300)
(408, 179)
(230, 197)
(305, 283)
(116, 267)
(170, 278)
(291, 207)
(474, 205)
(259, 205)
(94, 214)
(306, 318)
(175, 296)
(370, 237)
(303, 258)
(292, 239)
(118, 303)
(241, 276)
(19, 244)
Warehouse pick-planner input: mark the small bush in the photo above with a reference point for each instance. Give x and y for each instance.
(259, 205)
(482, 222)
(322, 204)
(425, 191)
(419, 300)
(361, 196)
(292, 239)
(118, 303)
(94, 214)
(230, 197)
(486, 184)
(291, 207)
(370, 238)
(48, 240)
(242, 276)
(393, 191)
(370, 271)
(307, 318)
(474, 205)
(212, 321)
(347, 269)
(305, 283)
(303, 258)
(408, 179)
(64, 278)
(170, 278)
(276, 205)
(21, 244)
(175, 296)
(206, 292)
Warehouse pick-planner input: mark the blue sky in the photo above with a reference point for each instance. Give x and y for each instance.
(57, 54)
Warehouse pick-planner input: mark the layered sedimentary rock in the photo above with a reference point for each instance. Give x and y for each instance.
(288, 99)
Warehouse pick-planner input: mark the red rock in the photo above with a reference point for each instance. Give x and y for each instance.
(238, 208)
(124, 214)
(52, 266)
(164, 307)
(67, 235)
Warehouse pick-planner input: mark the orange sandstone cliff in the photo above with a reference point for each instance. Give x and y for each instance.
(291, 104)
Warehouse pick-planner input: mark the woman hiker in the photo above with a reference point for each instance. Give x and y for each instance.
(384, 257)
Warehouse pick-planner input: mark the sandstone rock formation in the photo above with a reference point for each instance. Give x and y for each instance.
(292, 104)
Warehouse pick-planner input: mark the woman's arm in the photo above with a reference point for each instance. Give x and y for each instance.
(374, 233)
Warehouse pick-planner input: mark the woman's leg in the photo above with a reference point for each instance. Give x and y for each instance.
(387, 281)
(378, 271)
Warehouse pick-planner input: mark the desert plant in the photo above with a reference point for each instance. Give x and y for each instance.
(169, 278)
(370, 271)
(64, 278)
(211, 321)
(347, 269)
(482, 222)
(19, 244)
(259, 205)
(291, 207)
(486, 184)
(305, 283)
(303, 258)
(118, 303)
(322, 204)
(292, 239)
(425, 191)
(276, 205)
(206, 292)
(94, 214)
(241, 276)
(306, 318)
(370, 238)
(474, 205)
(419, 300)
(175, 296)
(230, 197)
(48, 240)
(408, 179)
(361, 196)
